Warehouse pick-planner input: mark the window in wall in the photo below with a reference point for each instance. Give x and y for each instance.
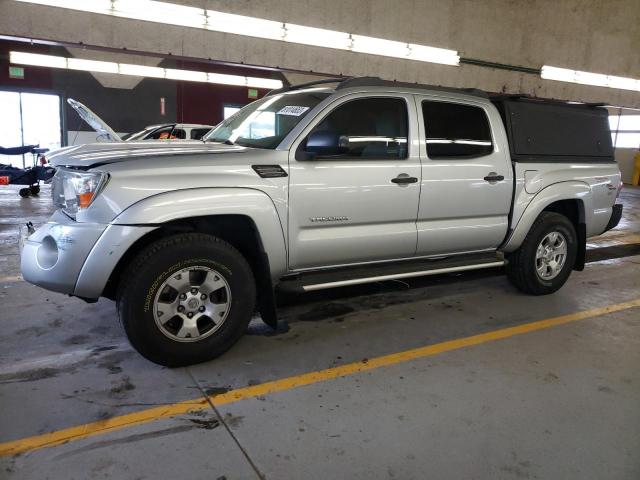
(28, 119)
(628, 140)
(229, 110)
(454, 130)
(625, 130)
(375, 128)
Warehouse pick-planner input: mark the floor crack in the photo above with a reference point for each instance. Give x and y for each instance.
(222, 421)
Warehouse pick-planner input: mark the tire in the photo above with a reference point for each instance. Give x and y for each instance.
(176, 261)
(34, 189)
(524, 268)
(24, 192)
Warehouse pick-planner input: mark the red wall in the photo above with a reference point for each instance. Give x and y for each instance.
(195, 102)
(203, 102)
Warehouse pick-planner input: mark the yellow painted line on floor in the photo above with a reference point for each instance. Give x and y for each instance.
(613, 240)
(157, 413)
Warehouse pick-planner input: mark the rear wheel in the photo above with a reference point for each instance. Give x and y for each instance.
(34, 189)
(545, 259)
(186, 299)
(24, 192)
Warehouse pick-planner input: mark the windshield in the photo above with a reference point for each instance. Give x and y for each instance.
(265, 122)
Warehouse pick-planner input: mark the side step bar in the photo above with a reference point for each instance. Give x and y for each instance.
(343, 277)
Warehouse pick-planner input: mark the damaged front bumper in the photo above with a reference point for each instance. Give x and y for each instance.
(52, 256)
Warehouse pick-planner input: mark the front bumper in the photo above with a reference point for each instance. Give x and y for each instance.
(616, 215)
(54, 254)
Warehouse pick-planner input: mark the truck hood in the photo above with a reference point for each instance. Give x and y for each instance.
(94, 121)
(95, 154)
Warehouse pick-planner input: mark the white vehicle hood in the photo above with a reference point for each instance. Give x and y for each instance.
(94, 154)
(94, 121)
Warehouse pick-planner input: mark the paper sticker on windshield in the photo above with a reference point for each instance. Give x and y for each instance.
(293, 110)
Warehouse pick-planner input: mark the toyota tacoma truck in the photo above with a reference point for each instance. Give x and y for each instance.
(319, 186)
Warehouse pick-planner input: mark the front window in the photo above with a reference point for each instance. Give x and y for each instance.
(266, 122)
(367, 128)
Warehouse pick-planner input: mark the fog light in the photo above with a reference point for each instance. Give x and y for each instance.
(47, 252)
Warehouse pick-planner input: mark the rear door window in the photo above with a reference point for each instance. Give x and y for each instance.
(454, 130)
(198, 133)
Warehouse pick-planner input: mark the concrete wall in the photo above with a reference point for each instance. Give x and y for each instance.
(592, 35)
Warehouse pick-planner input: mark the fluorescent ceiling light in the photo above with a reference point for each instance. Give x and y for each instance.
(23, 58)
(241, 25)
(379, 46)
(318, 37)
(187, 75)
(51, 61)
(432, 54)
(161, 12)
(91, 65)
(141, 70)
(268, 83)
(95, 6)
(226, 79)
(588, 78)
(174, 14)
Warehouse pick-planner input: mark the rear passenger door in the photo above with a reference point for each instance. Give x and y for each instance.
(467, 178)
(358, 202)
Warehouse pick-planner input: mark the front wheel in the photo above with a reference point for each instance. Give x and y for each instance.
(545, 259)
(186, 299)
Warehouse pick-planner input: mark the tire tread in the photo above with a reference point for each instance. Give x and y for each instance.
(517, 269)
(129, 282)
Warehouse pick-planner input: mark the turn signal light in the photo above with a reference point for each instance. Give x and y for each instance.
(84, 199)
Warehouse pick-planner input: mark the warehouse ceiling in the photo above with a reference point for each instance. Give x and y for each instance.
(502, 44)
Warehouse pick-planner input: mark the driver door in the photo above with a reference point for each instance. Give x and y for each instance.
(354, 183)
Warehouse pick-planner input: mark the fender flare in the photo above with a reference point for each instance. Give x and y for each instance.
(200, 202)
(570, 190)
(151, 213)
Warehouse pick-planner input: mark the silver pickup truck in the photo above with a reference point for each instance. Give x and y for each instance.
(319, 186)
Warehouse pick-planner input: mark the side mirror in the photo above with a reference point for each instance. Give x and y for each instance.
(325, 144)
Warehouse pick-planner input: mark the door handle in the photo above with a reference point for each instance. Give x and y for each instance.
(404, 179)
(493, 177)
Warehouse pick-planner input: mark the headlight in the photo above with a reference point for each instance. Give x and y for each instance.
(73, 190)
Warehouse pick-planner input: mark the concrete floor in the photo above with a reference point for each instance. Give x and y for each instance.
(561, 403)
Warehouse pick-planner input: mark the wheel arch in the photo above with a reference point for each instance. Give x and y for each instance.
(571, 199)
(235, 229)
(245, 218)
